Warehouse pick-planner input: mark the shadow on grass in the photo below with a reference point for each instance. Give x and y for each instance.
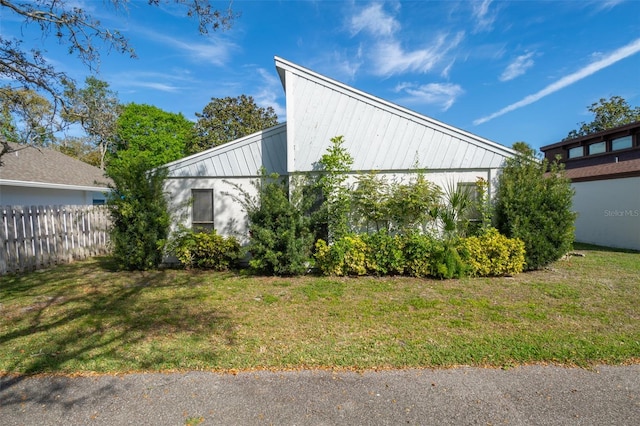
(88, 316)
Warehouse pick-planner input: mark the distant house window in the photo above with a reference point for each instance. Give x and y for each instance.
(621, 143)
(202, 209)
(576, 152)
(597, 148)
(97, 202)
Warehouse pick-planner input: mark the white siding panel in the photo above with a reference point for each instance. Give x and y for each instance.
(242, 157)
(378, 134)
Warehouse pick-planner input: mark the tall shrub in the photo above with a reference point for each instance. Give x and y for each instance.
(139, 213)
(334, 167)
(533, 203)
(280, 238)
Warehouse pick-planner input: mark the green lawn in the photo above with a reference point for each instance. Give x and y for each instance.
(87, 317)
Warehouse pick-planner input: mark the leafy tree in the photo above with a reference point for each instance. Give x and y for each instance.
(96, 108)
(81, 33)
(608, 113)
(31, 119)
(334, 212)
(27, 69)
(533, 203)
(226, 119)
(145, 131)
(80, 147)
(370, 203)
(139, 214)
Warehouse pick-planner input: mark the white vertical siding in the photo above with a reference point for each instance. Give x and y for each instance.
(242, 157)
(378, 134)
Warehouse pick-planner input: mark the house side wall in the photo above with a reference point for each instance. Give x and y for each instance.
(228, 214)
(608, 212)
(26, 196)
(377, 135)
(230, 217)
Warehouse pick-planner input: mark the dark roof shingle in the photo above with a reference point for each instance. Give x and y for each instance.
(30, 164)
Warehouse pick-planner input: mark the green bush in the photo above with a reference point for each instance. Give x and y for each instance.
(446, 261)
(384, 254)
(346, 256)
(139, 214)
(533, 203)
(206, 250)
(280, 241)
(417, 254)
(493, 254)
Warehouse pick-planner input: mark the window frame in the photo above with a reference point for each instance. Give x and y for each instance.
(202, 223)
(629, 137)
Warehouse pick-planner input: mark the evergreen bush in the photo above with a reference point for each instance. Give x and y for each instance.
(280, 241)
(533, 203)
(139, 213)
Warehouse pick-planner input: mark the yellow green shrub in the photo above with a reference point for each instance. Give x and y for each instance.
(346, 256)
(493, 254)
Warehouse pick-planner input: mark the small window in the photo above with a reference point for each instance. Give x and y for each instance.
(621, 143)
(597, 148)
(202, 213)
(576, 152)
(97, 202)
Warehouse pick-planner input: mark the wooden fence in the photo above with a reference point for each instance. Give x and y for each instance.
(38, 237)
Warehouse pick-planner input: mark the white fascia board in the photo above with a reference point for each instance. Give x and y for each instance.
(283, 65)
(48, 185)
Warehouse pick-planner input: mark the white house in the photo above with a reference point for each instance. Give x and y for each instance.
(33, 176)
(379, 135)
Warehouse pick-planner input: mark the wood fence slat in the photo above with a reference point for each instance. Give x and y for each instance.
(4, 238)
(33, 237)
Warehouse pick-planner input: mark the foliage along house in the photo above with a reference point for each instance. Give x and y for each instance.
(604, 169)
(33, 176)
(379, 135)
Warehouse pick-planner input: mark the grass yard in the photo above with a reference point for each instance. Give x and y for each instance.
(87, 317)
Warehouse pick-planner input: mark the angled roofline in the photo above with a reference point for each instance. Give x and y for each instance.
(221, 149)
(283, 65)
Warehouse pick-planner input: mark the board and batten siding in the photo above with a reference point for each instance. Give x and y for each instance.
(242, 157)
(378, 134)
(219, 169)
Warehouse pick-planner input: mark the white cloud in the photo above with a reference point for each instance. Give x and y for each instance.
(375, 21)
(216, 51)
(610, 59)
(518, 67)
(390, 58)
(483, 16)
(270, 91)
(442, 94)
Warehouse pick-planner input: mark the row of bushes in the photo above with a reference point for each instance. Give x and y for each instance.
(412, 254)
(421, 255)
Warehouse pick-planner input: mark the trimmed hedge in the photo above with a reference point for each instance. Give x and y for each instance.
(420, 255)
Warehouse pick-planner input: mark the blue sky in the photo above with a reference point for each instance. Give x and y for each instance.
(504, 70)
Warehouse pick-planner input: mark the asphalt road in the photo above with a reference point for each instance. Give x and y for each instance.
(530, 395)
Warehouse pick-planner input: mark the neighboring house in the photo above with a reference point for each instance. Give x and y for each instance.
(379, 135)
(33, 176)
(604, 169)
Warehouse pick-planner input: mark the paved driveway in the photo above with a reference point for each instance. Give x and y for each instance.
(531, 395)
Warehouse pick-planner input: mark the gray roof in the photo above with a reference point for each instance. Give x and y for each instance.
(30, 166)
